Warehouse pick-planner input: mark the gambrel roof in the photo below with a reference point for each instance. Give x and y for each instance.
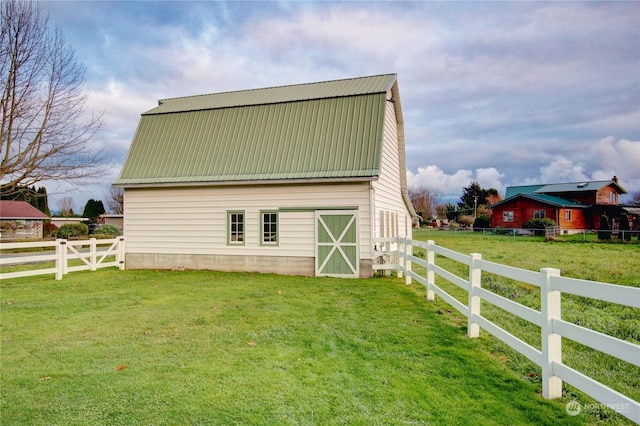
(318, 131)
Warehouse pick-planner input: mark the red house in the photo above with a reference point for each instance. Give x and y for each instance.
(573, 206)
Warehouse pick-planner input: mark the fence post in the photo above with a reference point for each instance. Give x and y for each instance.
(400, 244)
(387, 250)
(92, 254)
(120, 255)
(431, 259)
(60, 249)
(408, 251)
(475, 281)
(550, 308)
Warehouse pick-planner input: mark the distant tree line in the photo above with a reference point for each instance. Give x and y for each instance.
(36, 197)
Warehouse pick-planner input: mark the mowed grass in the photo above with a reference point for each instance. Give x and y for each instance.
(611, 263)
(195, 347)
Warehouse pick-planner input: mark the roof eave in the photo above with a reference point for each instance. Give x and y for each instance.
(259, 182)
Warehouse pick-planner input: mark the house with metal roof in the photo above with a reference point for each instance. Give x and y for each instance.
(19, 219)
(296, 179)
(572, 206)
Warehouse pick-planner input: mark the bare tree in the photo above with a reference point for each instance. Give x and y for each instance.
(65, 206)
(424, 200)
(115, 200)
(635, 198)
(45, 131)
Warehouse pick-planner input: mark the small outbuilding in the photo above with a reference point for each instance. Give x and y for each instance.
(295, 179)
(19, 219)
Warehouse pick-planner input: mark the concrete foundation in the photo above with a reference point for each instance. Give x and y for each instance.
(266, 264)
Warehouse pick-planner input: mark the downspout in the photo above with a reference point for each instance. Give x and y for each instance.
(372, 216)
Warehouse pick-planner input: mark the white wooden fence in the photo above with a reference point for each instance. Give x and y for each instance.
(93, 254)
(397, 255)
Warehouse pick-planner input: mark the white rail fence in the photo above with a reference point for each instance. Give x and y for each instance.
(397, 255)
(93, 254)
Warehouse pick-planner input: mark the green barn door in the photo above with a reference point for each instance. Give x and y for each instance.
(337, 244)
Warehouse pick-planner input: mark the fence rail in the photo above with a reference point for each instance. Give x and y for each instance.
(92, 253)
(397, 254)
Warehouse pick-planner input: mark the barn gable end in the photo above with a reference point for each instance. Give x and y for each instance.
(207, 178)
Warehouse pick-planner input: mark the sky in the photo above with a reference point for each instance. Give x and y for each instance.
(501, 93)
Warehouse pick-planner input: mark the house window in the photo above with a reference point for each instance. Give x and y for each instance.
(507, 216)
(567, 215)
(269, 228)
(612, 197)
(538, 214)
(235, 225)
(23, 228)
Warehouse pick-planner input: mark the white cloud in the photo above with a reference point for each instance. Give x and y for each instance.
(503, 94)
(451, 185)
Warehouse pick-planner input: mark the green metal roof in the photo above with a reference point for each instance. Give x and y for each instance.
(523, 189)
(297, 92)
(543, 198)
(593, 185)
(313, 131)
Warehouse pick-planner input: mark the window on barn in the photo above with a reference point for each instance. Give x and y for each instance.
(612, 197)
(507, 216)
(235, 225)
(567, 215)
(538, 214)
(269, 228)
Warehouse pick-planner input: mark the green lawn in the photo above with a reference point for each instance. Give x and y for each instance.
(175, 348)
(195, 347)
(606, 262)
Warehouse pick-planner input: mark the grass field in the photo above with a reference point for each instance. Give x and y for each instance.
(612, 263)
(172, 348)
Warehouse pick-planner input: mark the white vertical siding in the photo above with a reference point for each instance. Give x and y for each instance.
(389, 202)
(194, 220)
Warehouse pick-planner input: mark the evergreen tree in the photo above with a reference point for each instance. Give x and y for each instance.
(93, 209)
(604, 230)
(43, 201)
(474, 195)
(625, 228)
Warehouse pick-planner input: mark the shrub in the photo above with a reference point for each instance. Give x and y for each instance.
(481, 222)
(465, 220)
(107, 229)
(503, 231)
(625, 228)
(73, 230)
(49, 230)
(538, 225)
(604, 230)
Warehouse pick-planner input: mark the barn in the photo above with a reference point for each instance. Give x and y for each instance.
(296, 179)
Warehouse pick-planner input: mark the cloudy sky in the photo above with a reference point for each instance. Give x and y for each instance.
(503, 93)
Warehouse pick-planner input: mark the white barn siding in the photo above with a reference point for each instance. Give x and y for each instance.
(187, 226)
(391, 215)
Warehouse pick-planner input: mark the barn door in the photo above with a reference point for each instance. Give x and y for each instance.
(337, 244)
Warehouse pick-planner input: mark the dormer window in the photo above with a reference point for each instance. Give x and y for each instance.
(613, 197)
